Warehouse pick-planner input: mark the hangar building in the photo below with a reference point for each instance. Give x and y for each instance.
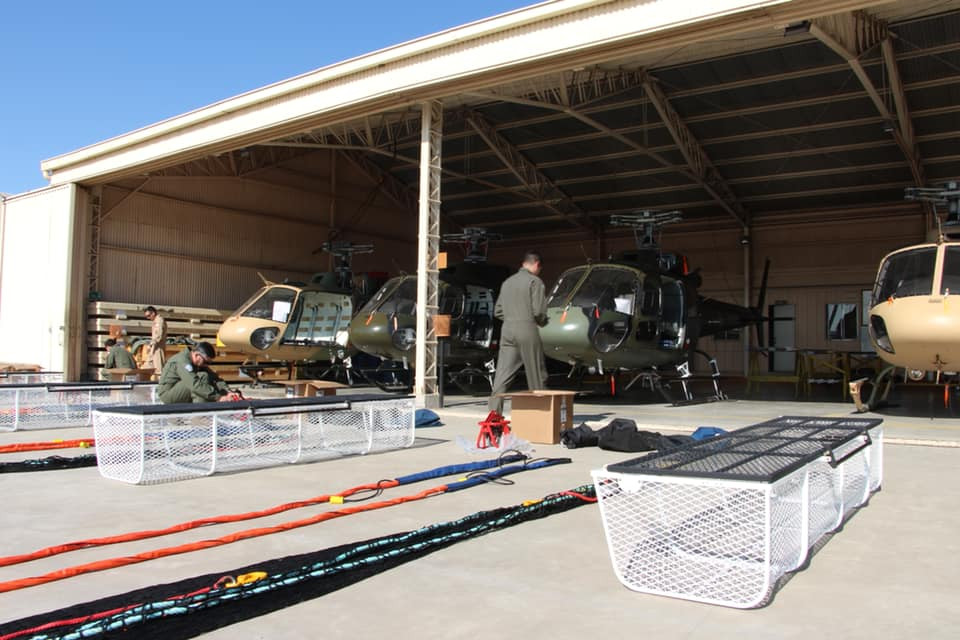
(782, 129)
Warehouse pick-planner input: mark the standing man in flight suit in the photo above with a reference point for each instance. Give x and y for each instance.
(158, 340)
(521, 307)
(187, 378)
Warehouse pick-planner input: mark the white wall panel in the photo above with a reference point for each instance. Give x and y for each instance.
(34, 276)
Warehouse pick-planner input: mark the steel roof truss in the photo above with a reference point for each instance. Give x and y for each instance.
(528, 174)
(851, 35)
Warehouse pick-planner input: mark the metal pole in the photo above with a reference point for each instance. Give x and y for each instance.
(746, 302)
(428, 243)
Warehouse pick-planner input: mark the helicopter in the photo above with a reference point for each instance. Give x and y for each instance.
(386, 326)
(914, 315)
(303, 322)
(639, 312)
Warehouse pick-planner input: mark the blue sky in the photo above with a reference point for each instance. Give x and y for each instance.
(75, 73)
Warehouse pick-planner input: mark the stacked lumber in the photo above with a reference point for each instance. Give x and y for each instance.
(113, 319)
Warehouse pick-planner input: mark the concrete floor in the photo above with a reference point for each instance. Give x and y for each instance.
(889, 573)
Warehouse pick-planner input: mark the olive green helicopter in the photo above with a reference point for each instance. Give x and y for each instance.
(639, 313)
(386, 326)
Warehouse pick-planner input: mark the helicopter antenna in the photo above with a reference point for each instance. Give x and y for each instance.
(946, 195)
(475, 242)
(344, 251)
(266, 282)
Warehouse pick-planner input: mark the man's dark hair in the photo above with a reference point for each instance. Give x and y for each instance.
(531, 257)
(150, 308)
(110, 342)
(206, 350)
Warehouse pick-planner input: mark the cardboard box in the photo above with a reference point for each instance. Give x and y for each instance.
(540, 416)
(441, 326)
(310, 388)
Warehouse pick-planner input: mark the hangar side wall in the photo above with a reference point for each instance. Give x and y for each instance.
(812, 264)
(201, 240)
(34, 276)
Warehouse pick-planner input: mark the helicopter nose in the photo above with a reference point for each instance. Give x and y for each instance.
(565, 334)
(371, 334)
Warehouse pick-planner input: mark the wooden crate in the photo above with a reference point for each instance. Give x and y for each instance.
(105, 319)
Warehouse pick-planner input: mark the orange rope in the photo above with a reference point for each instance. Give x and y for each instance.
(52, 444)
(185, 526)
(100, 565)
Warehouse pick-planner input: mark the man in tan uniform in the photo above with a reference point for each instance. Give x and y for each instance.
(158, 340)
(521, 307)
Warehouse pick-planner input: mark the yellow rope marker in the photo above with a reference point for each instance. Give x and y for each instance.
(246, 578)
(336, 499)
(527, 503)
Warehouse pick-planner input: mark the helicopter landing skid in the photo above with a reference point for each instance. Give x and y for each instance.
(472, 381)
(392, 379)
(655, 381)
(686, 377)
(882, 385)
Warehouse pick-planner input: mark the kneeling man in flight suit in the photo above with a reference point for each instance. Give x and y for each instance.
(187, 378)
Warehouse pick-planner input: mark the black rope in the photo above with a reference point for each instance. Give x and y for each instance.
(49, 463)
(290, 580)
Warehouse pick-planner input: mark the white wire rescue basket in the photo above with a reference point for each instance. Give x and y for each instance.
(164, 443)
(70, 404)
(721, 520)
(30, 377)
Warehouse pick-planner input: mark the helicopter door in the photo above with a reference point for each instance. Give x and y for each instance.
(609, 298)
(672, 312)
(478, 316)
(318, 317)
(648, 303)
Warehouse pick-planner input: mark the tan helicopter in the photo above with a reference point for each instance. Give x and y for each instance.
(914, 316)
(305, 323)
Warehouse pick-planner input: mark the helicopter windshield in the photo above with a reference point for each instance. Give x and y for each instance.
(906, 273)
(561, 291)
(399, 295)
(273, 304)
(608, 288)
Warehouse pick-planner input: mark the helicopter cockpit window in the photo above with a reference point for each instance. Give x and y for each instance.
(274, 304)
(950, 282)
(399, 295)
(402, 300)
(380, 296)
(561, 291)
(907, 273)
(608, 289)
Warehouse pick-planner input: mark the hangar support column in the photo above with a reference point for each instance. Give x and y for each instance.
(428, 244)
